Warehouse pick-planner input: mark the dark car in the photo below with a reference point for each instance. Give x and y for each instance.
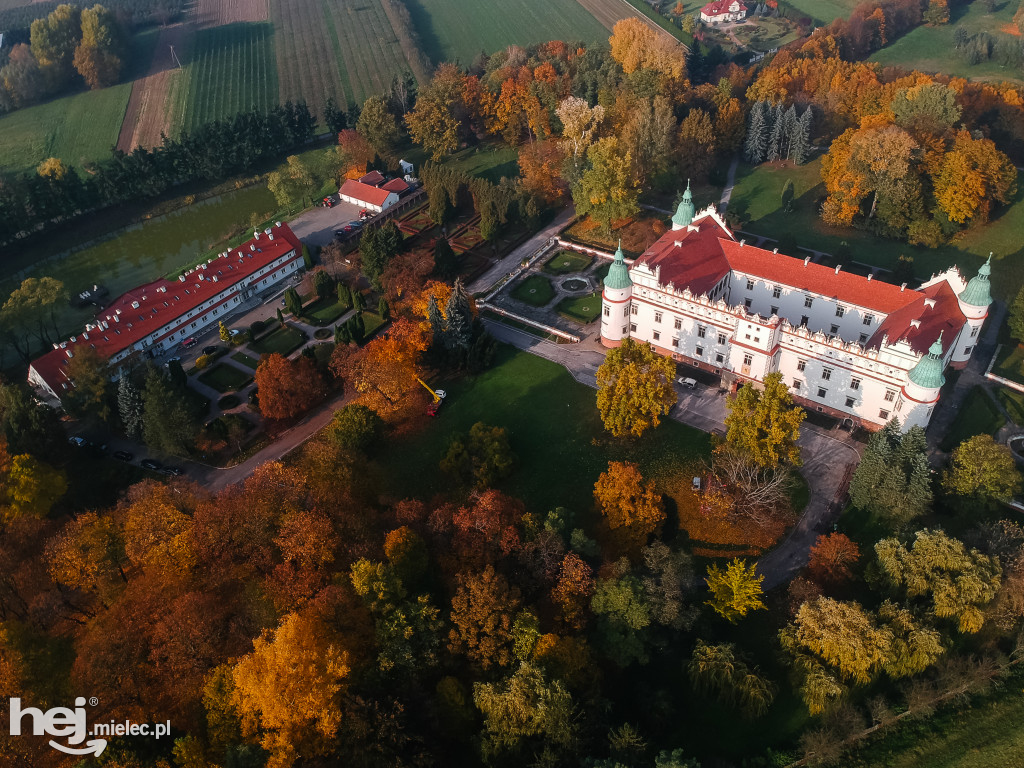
(150, 464)
(123, 456)
(209, 350)
(175, 471)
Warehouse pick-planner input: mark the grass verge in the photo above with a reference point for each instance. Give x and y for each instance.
(535, 290)
(225, 378)
(283, 340)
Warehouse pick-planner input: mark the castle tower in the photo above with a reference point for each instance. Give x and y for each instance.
(921, 391)
(974, 303)
(618, 289)
(683, 216)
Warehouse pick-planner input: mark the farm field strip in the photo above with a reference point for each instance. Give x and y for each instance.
(453, 29)
(216, 13)
(232, 68)
(305, 56)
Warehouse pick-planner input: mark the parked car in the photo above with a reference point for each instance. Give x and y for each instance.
(329, 202)
(174, 359)
(78, 442)
(123, 456)
(687, 382)
(212, 350)
(365, 214)
(175, 471)
(355, 224)
(234, 332)
(150, 464)
(188, 343)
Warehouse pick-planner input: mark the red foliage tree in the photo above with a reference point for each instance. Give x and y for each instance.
(287, 387)
(832, 558)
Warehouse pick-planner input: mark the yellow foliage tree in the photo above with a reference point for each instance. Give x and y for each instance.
(736, 590)
(286, 690)
(764, 424)
(629, 506)
(634, 389)
(28, 486)
(157, 531)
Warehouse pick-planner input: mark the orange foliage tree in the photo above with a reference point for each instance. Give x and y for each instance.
(631, 508)
(832, 558)
(288, 387)
(387, 372)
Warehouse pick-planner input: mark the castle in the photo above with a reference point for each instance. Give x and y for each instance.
(854, 348)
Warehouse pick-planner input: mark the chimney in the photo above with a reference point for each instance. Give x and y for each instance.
(181, 279)
(775, 250)
(278, 223)
(837, 268)
(253, 248)
(915, 323)
(85, 335)
(117, 318)
(870, 275)
(742, 243)
(903, 287)
(929, 303)
(807, 261)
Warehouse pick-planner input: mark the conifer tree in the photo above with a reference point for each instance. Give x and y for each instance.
(129, 404)
(776, 139)
(436, 322)
(458, 333)
(344, 294)
(383, 309)
(893, 479)
(789, 127)
(800, 148)
(341, 334)
(756, 144)
(357, 328)
(446, 263)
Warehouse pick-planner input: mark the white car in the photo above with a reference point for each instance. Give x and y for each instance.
(687, 382)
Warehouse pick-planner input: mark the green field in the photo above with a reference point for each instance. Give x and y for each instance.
(246, 360)
(582, 309)
(977, 416)
(825, 10)
(77, 129)
(553, 427)
(225, 378)
(305, 69)
(1010, 363)
(535, 290)
(283, 340)
(758, 194)
(930, 49)
(229, 69)
(564, 262)
(451, 30)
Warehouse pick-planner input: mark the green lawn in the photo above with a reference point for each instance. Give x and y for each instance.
(758, 195)
(325, 311)
(77, 129)
(564, 262)
(825, 10)
(535, 290)
(553, 427)
(1013, 402)
(583, 309)
(225, 378)
(487, 161)
(977, 416)
(246, 360)
(1010, 363)
(283, 340)
(371, 323)
(930, 49)
(228, 69)
(456, 30)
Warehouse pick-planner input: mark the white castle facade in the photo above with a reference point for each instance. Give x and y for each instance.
(846, 345)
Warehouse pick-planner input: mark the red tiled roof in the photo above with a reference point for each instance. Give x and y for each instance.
(936, 311)
(699, 256)
(395, 185)
(719, 7)
(162, 301)
(364, 192)
(373, 178)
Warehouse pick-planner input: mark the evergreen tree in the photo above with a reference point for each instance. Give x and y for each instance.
(437, 322)
(357, 328)
(1016, 318)
(446, 263)
(334, 117)
(341, 334)
(383, 309)
(344, 294)
(280, 316)
(756, 144)
(800, 148)
(458, 333)
(129, 404)
(358, 300)
(776, 138)
(893, 479)
(789, 124)
(292, 302)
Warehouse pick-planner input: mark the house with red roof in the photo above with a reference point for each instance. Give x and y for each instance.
(367, 196)
(846, 344)
(723, 10)
(155, 318)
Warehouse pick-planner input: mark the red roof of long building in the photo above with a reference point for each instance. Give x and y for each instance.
(364, 192)
(699, 256)
(719, 7)
(162, 301)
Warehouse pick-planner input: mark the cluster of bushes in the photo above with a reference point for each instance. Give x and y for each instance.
(975, 49)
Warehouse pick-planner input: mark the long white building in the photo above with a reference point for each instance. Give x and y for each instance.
(153, 319)
(846, 345)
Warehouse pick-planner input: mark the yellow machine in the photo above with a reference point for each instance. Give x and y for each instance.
(437, 394)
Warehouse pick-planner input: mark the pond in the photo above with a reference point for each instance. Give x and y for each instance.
(575, 284)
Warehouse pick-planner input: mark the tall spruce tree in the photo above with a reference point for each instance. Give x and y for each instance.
(458, 333)
(775, 140)
(893, 479)
(756, 144)
(789, 125)
(436, 323)
(129, 405)
(446, 263)
(800, 148)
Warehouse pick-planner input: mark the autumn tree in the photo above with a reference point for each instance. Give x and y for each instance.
(377, 125)
(983, 470)
(573, 590)
(697, 144)
(355, 427)
(717, 670)
(893, 479)
(54, 40)
(287, 690)
(407, 553)
(98, 56)
(288, 387)
(941, 574)
(387, 372)
(294, 184)
(157, 530)
(483, 457)
(482, 613)
(32, 308)
(623, 615)
(843, 635)
(972, 176)
(735, 590)
(634, 389)
(630, 508)
(436, 122)
(606, 190)
(540, 167)
(28, 486)
(764, 423)
(833, 555)
(580, 123)
(637, 45)
(87, 554)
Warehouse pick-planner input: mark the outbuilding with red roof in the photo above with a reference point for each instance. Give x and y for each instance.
(723, 10)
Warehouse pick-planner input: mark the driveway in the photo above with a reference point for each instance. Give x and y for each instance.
(316, 226)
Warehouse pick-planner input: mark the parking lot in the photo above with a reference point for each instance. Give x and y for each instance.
(316, 227)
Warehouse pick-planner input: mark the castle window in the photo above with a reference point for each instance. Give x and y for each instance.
(625, 311)
(632, 327)
(719, 358)
(822, 392)
(974, 331)
(776, 291)
(721, 338)
(607, 311)
(840, 310)
(747, 303)
(854, 383)
(826, 374)
(899, 405)
(869, 319)
(677, 324)
(804, 319)
(797, 384)
(850, 402)
(863, 338)
(700, 351)
(750, 284)
(967, 350)
(808, 301)
(801, 365)
(883, 415)
(890, 395)
(657, 335)
(775, 310)
(747, 359)
(675, 342)
(702, 331)
(834, 330)
(633, 309)
(657, 317)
